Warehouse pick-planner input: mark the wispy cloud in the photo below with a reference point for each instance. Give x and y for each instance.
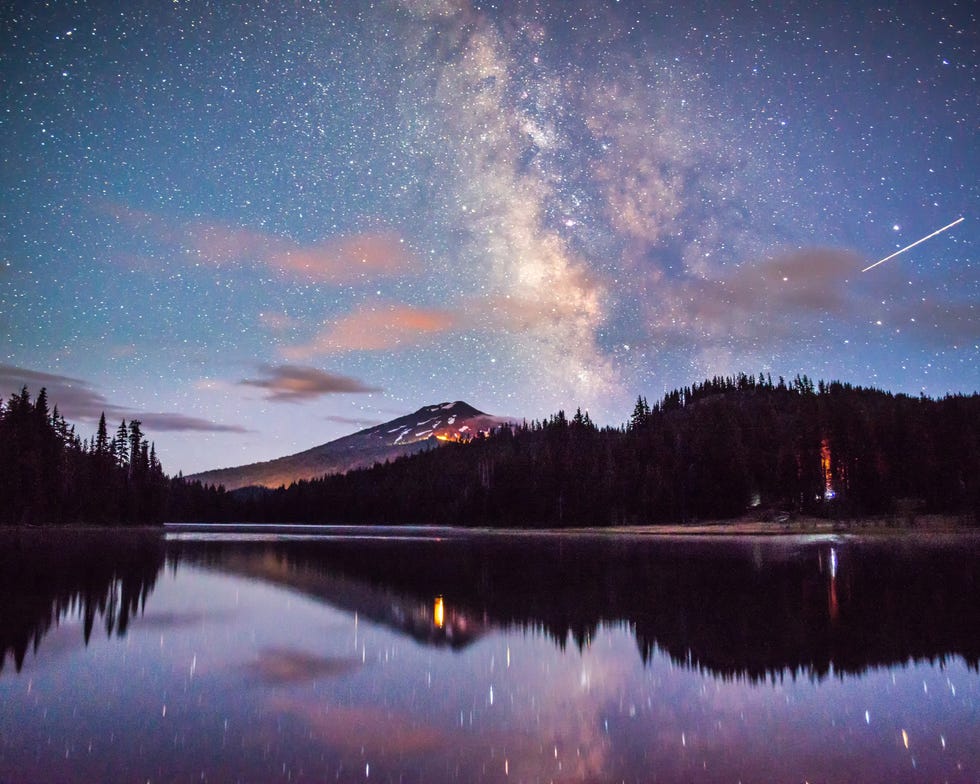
(342, 420)
(350, 258)
(74, 397)
(790, 302)
(377, 327)
(183, 423)
(77, 400)
(345, 259)
(298, 383)
(762, 301)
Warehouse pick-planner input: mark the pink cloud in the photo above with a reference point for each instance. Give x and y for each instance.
(378, 327)
(346, 259)
(343, 259)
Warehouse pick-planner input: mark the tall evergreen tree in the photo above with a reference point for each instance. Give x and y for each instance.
(102, 437)
(135, 447)
(640, 413)
(120, 449)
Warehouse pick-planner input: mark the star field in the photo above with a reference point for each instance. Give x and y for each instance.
(524, 205)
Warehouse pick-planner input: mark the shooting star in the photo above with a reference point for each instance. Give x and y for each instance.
(908, 247)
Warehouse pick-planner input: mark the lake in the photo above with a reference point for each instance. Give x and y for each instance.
(440, 655)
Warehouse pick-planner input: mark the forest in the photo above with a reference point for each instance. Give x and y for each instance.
(711, 451)
(48, 474)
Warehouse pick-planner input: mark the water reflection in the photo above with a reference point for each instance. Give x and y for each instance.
(740, 608)
(47, 576)
(737, 608)
(460, 658)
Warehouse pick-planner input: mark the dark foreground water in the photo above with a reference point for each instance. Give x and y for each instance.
(407, 655)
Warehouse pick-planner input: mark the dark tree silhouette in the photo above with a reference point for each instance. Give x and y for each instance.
(708, 451)
(49, 475)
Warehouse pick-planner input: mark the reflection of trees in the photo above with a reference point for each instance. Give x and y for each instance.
(735, 607)
(46, 575)
(887, 605)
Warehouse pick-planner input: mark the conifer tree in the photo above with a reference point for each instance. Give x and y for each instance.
(640, 413)
(102, 438)
(120, 448)
(135, 447)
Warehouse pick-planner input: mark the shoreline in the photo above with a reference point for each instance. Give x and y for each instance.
(805, 525)
(923, 525)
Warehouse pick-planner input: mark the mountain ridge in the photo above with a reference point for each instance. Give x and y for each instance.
(405, 435)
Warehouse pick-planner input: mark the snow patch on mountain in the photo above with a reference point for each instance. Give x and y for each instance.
(425, 428)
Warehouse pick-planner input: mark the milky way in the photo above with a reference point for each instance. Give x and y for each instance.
(258, 227)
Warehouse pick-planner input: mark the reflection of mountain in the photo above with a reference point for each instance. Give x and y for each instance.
(426, 620)
(736, 607)
(47, 574)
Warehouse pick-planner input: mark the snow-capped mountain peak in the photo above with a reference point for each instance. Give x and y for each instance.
(456, 421)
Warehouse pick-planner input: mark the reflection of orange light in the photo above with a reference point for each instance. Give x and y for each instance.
(444, 437)
(833, 607)
(439, 613)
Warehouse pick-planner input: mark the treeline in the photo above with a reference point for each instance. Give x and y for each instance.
(49, 475)
(709, 451)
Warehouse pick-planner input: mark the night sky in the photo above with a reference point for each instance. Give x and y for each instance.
(259, 227)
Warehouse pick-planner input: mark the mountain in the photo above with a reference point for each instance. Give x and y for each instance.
(403, 436)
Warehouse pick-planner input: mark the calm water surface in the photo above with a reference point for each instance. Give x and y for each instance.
(422, 655)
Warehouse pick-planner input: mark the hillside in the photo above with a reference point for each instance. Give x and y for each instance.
(711, 451)
(403, 436)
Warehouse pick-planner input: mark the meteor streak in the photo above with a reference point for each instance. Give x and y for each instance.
(907, 247)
